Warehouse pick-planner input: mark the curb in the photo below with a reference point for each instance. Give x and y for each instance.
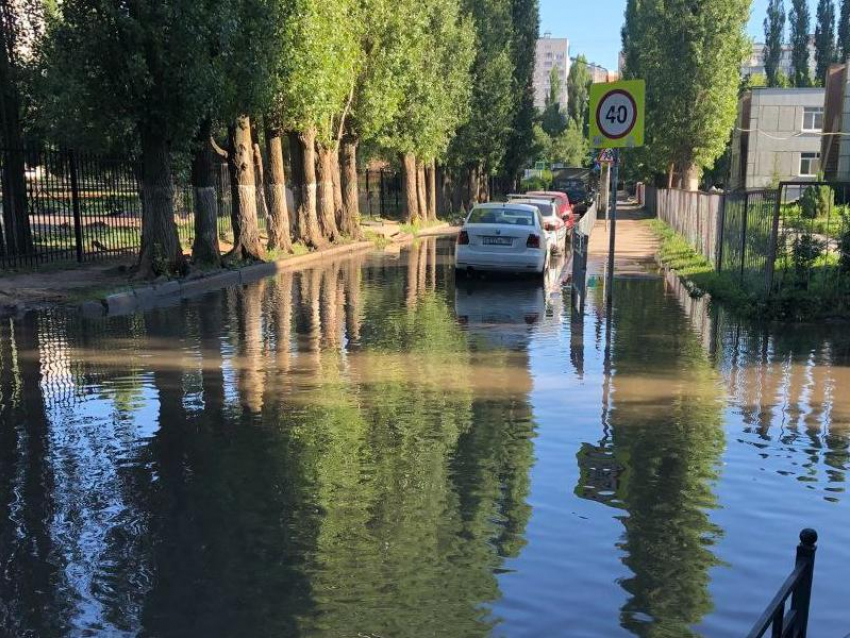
(147, 297)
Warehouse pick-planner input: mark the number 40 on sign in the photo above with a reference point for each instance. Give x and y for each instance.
(616, 114)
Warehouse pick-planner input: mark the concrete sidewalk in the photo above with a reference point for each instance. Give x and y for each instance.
(636, 248)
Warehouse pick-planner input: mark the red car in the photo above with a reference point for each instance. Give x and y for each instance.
(565, 209)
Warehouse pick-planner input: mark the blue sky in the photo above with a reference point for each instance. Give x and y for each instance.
(593, 26)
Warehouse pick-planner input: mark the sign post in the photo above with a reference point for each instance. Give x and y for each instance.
(617, 121)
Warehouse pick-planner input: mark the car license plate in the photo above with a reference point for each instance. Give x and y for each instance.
(498, 241)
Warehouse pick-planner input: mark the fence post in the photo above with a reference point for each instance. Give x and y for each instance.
(772, 243)
(803, 592)
(720, 231)
(744, 234)
(75, 205)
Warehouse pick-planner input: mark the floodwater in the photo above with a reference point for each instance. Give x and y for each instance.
(367, 449)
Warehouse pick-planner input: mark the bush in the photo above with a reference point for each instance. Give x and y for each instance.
(541, 183)
(817, 201)
(805, 251)
(844, 244)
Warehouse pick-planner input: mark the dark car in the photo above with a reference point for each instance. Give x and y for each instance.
(580, 195)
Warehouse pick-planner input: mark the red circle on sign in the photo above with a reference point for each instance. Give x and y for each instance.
(629, 97)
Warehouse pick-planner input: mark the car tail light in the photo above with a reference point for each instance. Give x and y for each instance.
(533, 241)
(463, 238)
(549, 226)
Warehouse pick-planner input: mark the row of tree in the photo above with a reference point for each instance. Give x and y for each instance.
(690, 56)
(243, 80)
(830, 45)
(560, 136)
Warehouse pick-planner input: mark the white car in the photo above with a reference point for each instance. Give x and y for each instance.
(503, 237)
(555, 227)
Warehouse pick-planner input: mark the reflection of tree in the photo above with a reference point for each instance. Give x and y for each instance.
(658, 462)
(29, 572)
(411, 514)
(251, 374)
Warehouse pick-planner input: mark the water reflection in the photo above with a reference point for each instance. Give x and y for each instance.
(295, 457)
(353, 450)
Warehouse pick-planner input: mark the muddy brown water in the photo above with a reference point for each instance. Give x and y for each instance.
(369, 448)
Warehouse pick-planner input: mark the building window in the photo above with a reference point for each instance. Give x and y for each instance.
(813, 118)
(809, 164)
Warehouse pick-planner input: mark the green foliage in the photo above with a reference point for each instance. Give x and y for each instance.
(843, 43)
(110, 71)
(319, 60)
(844, 245)
(774, 35)
(554, 118)
(800, 30)
(824, 39)
(691, 63)
(388, 41)
(805, 250)
(578, 89)
(540, 182)
(482, 140)
(526, 27)
(817, 201)
(436, 87)
(571, 147)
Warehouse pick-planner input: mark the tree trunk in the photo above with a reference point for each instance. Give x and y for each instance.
(327, 214)
(350, 222)
(421, 196)
(431, 189)
(277, 222)
(308, 221)
(671, 175)
(336, 178)
(205, 247)
(260, 183)
(690, 177)
(472, 187)
(408, 163)
(233, 173)
(161, 253)
(259, 174)
(15, 213)
(247, 244)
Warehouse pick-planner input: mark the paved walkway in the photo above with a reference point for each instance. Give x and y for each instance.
(636, 243)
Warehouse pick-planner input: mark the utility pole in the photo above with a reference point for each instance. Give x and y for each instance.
(612, 230)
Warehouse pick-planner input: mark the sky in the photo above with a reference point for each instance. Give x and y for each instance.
(593, 26)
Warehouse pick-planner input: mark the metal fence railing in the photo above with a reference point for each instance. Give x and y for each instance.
(744, 238)
(798, 587)
(66, 206)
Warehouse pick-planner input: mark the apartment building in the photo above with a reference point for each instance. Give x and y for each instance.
(551, 53)
(754, 65)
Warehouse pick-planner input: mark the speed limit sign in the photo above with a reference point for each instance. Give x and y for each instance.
(616, 110)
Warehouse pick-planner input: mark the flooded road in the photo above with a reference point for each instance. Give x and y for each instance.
(368, 449)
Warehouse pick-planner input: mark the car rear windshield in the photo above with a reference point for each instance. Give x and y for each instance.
(509, 216)
(547, 209)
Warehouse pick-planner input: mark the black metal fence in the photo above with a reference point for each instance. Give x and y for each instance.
(77, 207)
(770, 241)
(80, 207)
(797, 587)
(744, 237)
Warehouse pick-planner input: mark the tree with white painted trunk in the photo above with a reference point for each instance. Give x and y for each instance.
(436, 93)
(318, 62)
(278, 223)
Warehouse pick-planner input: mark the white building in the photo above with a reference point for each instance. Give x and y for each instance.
(551, 53)
(777, 137)
(754, 65)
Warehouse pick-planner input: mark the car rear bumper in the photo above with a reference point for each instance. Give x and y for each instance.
(529, 261)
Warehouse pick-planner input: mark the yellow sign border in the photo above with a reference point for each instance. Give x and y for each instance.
(637, 90)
